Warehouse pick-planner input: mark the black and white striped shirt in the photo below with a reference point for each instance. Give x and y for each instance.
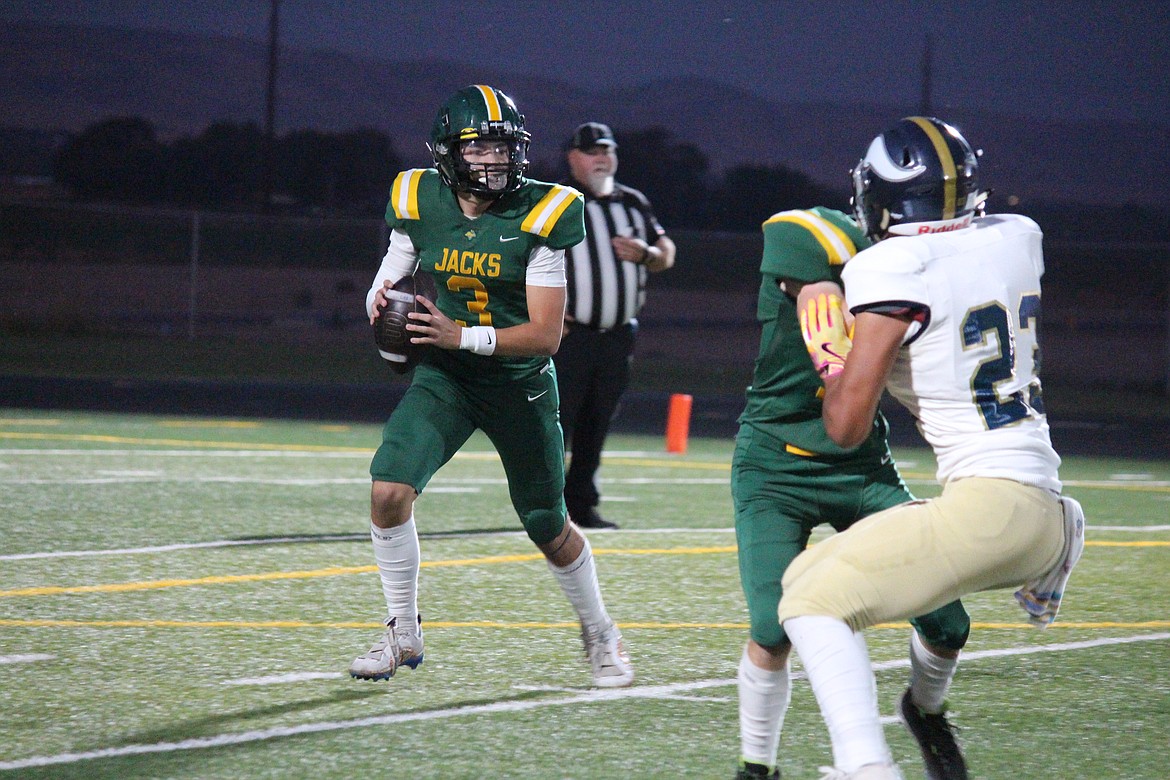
(605, 292)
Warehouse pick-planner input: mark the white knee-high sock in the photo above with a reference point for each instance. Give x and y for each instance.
(841, 678)
(397, 554)
(930, 675)
(579, 582)
(763, 702)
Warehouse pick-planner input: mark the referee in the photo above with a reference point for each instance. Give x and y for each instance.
(607, 286)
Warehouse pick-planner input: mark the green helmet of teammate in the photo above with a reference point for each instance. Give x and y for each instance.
(479, 112)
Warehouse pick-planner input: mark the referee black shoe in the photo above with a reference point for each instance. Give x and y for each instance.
(936, 739)
(590, 519)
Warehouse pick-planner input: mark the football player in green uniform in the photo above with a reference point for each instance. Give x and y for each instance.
(494, 242)
(787, 477)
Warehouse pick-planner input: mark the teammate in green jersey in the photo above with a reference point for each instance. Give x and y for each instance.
(787, 477)
(495, 243)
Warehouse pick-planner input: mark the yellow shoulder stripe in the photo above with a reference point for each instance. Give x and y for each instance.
(544, 215)
(835, 241)
(404, 195)
(950, 175)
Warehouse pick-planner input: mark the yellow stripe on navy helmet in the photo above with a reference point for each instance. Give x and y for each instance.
(950, 174)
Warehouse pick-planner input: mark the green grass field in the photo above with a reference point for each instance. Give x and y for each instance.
(180, 598)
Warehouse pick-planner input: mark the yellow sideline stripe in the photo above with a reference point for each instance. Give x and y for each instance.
(210, 424)
(514, 625)
(335, 571)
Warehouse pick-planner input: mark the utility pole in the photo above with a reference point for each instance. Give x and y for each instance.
(927, 75)
(269, 151)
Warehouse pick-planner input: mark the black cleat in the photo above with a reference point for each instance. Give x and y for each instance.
(936, 739)
(590, 519)
(750, 771)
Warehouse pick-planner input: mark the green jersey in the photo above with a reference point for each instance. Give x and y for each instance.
(784, 399)
(479, 265)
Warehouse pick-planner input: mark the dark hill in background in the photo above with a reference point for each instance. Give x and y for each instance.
(59, 77)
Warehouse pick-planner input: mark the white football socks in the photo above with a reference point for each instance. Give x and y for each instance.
(839, 672)
(397, 554)
(763, 702)
(930, 676)
(579, 582)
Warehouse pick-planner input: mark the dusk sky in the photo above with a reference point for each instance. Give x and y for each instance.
(1072, 60)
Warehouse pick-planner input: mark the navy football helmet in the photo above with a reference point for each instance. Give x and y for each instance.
(919, 176)
(479, 112)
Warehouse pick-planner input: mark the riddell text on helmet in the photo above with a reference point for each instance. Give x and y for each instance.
(944, 228)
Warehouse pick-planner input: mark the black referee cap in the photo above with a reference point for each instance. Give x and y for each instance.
(592, 134)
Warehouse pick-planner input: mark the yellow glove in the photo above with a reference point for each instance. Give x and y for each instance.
(822, 324)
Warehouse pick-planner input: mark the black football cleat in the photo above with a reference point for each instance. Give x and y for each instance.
(750, 771)
(936, 739)
(590, 519)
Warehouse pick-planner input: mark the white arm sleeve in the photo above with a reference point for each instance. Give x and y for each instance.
(546, 268)
(400, 261)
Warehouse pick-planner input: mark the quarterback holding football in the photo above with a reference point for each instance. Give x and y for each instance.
(494, 242)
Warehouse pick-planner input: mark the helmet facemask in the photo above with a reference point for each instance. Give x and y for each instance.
(480, 176)
(871, 217)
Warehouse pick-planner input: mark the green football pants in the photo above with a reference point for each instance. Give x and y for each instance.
(439, 412)
(781, 497)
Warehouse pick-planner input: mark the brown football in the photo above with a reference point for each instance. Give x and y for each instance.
(390, 333)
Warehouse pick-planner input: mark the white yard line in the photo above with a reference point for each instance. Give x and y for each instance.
(279, 679)
(358, 537)
(188, 546)
(24, 659)
(673, 691)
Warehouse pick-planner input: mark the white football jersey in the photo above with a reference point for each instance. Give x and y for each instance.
(970, 373)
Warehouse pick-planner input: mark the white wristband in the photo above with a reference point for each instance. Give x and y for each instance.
(480, 339)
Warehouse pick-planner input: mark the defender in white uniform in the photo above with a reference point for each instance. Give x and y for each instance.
(946, 310)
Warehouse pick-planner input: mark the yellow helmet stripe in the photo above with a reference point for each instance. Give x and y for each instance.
(544, 215)
(404, 194)
(950, 175)
(495, 113)
(835, 241)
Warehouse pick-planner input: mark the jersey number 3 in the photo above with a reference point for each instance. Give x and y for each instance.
(477, 304)
(993, 318)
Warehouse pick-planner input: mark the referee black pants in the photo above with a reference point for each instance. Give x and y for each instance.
(593, 371)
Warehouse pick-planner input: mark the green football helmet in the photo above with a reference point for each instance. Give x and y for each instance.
(479, 112)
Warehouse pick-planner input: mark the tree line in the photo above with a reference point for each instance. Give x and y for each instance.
(233, 166)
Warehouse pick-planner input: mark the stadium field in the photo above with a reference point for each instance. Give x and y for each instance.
(180, 598)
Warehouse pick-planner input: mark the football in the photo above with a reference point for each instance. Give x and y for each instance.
(390, 333)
